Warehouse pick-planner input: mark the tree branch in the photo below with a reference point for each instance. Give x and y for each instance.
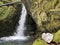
(7, 4)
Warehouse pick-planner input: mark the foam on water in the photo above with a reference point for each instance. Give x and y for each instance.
(12, 38)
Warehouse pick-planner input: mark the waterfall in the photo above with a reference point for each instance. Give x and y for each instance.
(20, 28)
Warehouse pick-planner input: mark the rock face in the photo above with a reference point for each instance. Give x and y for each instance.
(9, 16)
(57, 36)
(46, 14)
(48, 37)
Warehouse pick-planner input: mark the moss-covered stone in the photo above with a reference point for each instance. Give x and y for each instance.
(6, 11)
(9, 16)
(57, 36)
(39, 42)
(46, 14)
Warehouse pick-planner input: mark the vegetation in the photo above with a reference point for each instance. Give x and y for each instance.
(39, 42)
(9, 16)
(46, 14)
(57, 36)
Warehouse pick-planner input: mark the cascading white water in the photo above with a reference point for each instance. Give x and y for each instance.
(20, 29)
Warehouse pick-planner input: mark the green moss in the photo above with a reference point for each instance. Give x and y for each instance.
(6, 0)
(53, 25)
(1, 3)
(50, 4)
(9, 16)
(57, 36)
(43, 16)
(39, 42)
(6, 12)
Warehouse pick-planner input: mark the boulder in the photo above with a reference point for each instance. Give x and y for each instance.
(48, 37)
(46, 14)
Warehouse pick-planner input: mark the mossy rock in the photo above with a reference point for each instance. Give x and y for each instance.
(39, 42)
(9, 17)
(57, 36)
(46, 14)
(1, 2)
(6, 12)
